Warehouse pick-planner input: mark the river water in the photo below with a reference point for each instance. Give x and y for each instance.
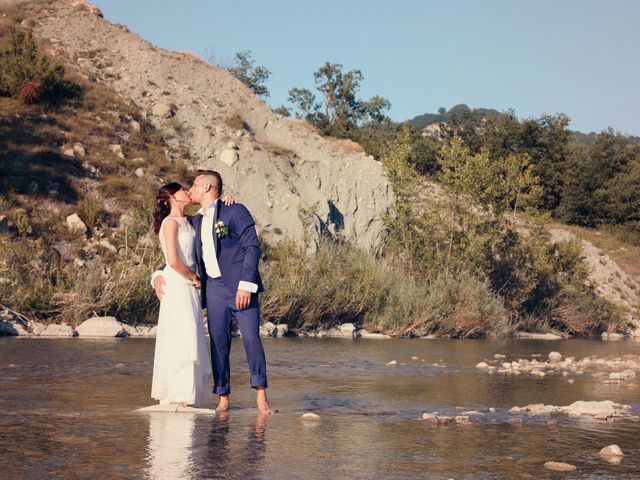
(67, 411)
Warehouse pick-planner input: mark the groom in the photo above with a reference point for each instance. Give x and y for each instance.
(227, 255)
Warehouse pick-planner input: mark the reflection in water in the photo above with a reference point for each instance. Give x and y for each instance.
(184, 446)
(232, 453)
(170, 445)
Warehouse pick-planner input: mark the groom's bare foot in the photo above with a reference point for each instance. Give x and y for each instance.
(263, 403)
(223, 404)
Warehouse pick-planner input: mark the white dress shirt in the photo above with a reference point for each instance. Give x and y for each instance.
(208, 244)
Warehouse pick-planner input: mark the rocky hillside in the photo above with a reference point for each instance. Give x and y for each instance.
(275, 166)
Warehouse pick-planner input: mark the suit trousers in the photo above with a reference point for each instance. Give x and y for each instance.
(221, 307)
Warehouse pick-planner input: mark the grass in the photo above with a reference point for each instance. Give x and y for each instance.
(622, 249)
(340, 283)
(277, 149)
(236, 122)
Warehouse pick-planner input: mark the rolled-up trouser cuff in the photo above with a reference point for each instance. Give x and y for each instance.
(221, 390)
(259, 381)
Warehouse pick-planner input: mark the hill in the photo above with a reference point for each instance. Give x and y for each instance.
(108, 118)
(462, 111)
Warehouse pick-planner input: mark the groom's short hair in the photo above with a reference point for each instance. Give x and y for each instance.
(215, 174)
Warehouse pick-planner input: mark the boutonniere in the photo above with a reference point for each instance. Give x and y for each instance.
(221, 229)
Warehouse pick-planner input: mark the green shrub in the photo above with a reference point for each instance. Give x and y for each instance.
(339, 283)
(93, 211)
(22, 222)
(26, 73)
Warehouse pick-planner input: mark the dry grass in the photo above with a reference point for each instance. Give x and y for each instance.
(625, 254)
(303, 124)
(346, 145)
(236, 122)
(277, 149)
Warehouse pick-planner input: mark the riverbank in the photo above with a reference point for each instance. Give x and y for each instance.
(12, 324)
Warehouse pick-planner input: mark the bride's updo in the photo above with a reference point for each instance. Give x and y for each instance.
(163, 205)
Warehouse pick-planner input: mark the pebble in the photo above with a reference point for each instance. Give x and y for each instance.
(392, 362)
(560, 467)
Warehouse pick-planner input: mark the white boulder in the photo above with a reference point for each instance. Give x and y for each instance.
(366, 334)
(54, 330)
(75, 224)
(555, 357)
(268, 329)
(79, 150)
(611, 451)
(282, 329)
(162, 110)
(101, 327)
(229, 156)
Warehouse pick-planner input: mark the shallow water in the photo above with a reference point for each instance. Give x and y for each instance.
(66, 412)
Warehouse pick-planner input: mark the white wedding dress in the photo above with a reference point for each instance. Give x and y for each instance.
(181, 366)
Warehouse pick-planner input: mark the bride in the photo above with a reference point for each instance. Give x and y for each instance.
(181, 366)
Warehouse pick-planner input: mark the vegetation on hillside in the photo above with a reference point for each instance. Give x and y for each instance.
(478, 263)
(62, 155)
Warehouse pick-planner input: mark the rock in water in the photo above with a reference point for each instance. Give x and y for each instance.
(611, 451)
(560, 467)
(392, 362)
(54, 330)
(282, 329)
(268, 329)
(310, 416)
(555, 357)
(101, 327)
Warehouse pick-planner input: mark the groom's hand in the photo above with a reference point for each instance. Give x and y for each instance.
(243, 298)
(158, 286)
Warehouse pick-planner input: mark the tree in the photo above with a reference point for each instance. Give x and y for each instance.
(340, 111)
(282, 110)
(248, 73)
(305, 101)
(601, 182)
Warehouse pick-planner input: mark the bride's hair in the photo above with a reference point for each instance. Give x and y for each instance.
(163, 206)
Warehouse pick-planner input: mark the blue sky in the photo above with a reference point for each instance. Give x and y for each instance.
(579, 57)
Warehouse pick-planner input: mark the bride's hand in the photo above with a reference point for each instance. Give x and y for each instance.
(228, 200)
(196, 281)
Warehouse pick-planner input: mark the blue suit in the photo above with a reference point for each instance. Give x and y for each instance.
(238, 254)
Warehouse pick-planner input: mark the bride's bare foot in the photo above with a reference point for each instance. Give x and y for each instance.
(223, 404)
(180, 404)
(263, 403)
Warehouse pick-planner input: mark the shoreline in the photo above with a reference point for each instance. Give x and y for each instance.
(110, 327)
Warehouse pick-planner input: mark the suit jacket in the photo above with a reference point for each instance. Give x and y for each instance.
(238, 252)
